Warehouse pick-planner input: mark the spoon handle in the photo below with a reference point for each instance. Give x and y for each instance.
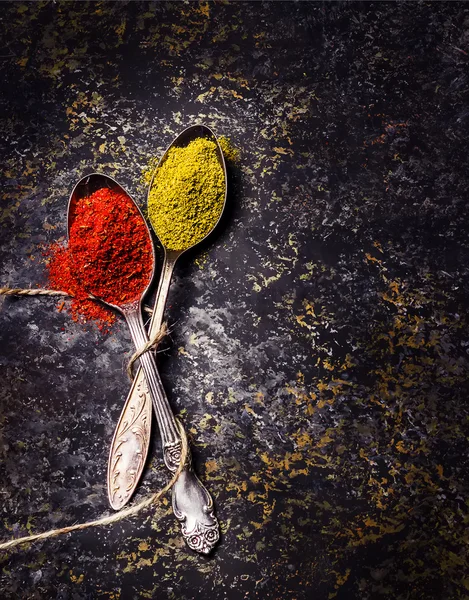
(192, 504)
(130, 444)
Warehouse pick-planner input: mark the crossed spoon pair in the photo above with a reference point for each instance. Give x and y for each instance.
(192, 504)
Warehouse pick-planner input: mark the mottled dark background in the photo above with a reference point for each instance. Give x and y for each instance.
(319, 353)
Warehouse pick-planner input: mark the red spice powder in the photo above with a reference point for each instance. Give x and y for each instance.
(109, 255)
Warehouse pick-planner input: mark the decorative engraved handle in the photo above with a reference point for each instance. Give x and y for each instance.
(131, 441)
(192, 503)
(193, 506)
(129, 447)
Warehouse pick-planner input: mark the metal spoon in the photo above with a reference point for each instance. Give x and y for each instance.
(135, 430)
(151, 387)
(201, 525)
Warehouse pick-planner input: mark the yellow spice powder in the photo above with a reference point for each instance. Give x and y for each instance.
(230, 152)
(187, 195)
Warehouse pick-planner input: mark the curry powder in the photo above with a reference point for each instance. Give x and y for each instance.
(187, 195)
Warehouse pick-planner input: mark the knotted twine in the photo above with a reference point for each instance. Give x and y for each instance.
(131, 511)
(152, 344)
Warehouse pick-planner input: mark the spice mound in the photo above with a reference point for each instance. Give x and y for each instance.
(187, 195)
(109, 255)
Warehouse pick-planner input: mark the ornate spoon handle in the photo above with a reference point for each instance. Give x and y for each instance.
(192, 503)
(129, 446)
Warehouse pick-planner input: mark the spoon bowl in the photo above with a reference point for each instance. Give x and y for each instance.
(182, 140)
(84, 188)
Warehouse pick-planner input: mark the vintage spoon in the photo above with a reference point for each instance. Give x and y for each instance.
(135, 430)
(193, 522)
(188, 496)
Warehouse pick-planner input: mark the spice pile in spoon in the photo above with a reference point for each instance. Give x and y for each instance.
(108, 251)
(187, 195)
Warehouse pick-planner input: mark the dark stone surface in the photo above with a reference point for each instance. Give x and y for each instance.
(319, 354)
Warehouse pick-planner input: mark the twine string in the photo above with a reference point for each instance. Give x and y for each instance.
(4, 291)
(152, 344)
(109, 520)
(131, 510)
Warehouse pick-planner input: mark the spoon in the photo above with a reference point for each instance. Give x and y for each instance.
(202, 523)
(135, 431)
(151, 388)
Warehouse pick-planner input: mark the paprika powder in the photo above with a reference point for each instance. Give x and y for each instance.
(109, 252)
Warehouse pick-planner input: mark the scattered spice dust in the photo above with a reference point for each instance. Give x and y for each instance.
(230, 152)
(147, 173)
(109, 255)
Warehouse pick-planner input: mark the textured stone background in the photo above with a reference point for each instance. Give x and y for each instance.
(319, 354)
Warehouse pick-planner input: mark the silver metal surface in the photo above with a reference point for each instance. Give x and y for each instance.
(200, 531)
(192, 503)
